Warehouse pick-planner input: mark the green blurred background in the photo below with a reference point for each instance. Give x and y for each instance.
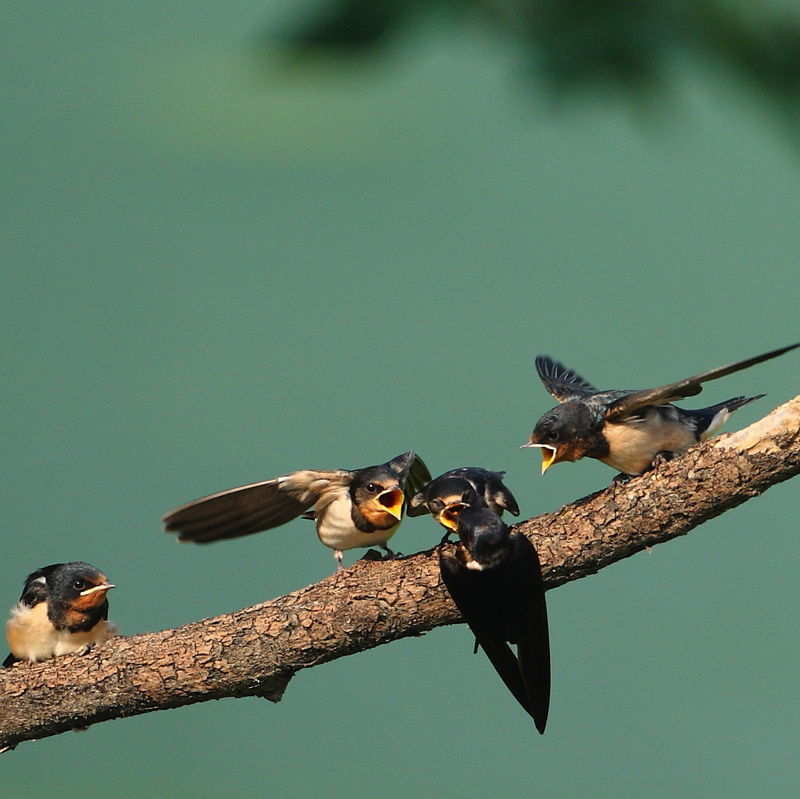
(221, 266)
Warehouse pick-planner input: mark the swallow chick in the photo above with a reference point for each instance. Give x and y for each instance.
(628, 430)
(352, 509)
(63, 609)
(467, 487)
(495, 579)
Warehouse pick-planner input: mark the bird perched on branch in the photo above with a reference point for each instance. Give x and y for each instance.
(467, 487)
(628, 430)
(359, 508)
(495, 579)
(63, 609)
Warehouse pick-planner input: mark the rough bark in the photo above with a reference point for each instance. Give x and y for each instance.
(256, 651)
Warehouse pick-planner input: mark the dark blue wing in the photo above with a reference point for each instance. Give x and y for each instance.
(562, 383)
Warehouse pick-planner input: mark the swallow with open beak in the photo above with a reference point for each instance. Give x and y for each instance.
(359, 508)
(63, 609)
(628, 430)
(495, 579)
(467, 487)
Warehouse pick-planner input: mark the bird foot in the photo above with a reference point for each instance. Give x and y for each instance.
(661, 458)
(373, 554)
(339, 574)
(390, 554)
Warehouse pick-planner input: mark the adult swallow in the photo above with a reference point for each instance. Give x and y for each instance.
(63, 609)
(495, 579)
(359, 508)
(627, 430)
(467, 487)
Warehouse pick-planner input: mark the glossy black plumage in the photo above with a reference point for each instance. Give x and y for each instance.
(358, 508)
(628, 429)
(495, 579)
(468, 486)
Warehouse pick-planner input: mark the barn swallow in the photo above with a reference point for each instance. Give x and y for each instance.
(627, 430)
(495, 579)
(360, 508)
(63, 609)
(467, 487)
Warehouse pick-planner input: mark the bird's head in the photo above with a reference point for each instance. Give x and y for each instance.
(561, 433)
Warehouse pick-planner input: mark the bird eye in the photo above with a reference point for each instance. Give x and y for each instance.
(552, 436)
(79, 585)
(372, 488)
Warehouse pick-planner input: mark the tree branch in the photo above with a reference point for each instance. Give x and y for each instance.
(256, 651)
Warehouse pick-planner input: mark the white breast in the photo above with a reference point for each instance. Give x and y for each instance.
(31, 636)
(335, 526)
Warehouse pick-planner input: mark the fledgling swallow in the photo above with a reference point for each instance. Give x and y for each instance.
(359, 508)
(495, 579)
(63, 609)
(627, 430)
(467, 487)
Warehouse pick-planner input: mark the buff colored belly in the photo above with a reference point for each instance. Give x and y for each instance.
(31, 636)
(633, 447)
(336, 530)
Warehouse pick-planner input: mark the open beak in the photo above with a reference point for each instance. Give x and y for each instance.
(98, 588)
(392, 501)
(548, 454)
(449, 516)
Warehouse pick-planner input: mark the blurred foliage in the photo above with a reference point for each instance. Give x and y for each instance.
(575, 45)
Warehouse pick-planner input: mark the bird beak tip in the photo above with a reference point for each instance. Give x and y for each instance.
(392, 502)
(548, 456)
(97, 588)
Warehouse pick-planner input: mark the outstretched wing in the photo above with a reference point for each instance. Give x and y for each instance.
(499, 494)
(626, 405)
(412, 473)
(562, 383)
(251, 508)
(416, 505)
(488, 486)
(418, 476)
